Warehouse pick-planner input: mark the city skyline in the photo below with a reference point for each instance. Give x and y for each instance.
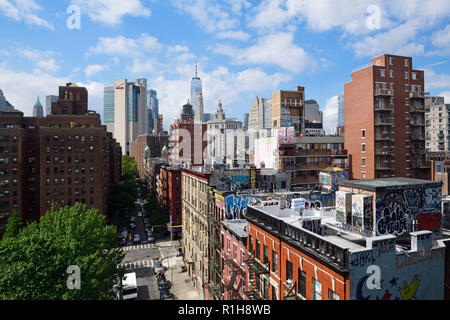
(244, 49)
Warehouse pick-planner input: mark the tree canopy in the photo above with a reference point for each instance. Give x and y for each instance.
(129, 168)
(33, 264)
(14, 225)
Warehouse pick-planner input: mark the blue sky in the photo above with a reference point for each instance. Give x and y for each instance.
(245, 48)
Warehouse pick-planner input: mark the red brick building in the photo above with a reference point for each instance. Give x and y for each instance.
(169, 193)
(64, 158)
(385, 120)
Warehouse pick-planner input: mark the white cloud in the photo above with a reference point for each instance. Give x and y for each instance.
(23, 10)
(123, 46)
(93, 69)
(434, 80)
(330, 115)
(442, 37)
(21, 89)
(277, 49)
(446, 95)
(398, 40)
(236, 35)
(111, 12)
(48, 65)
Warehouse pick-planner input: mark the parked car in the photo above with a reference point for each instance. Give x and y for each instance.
(122, 241)
(132, 219)
(158, 266)
(139, 214)
(136, 238)
(145, 221)
(132, 225)
(165, 295)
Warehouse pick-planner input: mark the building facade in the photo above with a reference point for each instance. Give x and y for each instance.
(195, 227)
(288, 109)
(154, 142)
(341, 108)
(169, 193)
(385, 120)
(125, 111)
(62, 159)
(437, 123)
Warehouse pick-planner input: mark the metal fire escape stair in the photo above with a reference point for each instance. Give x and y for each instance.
(255, 269)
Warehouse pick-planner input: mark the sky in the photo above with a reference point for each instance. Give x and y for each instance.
(244, 48)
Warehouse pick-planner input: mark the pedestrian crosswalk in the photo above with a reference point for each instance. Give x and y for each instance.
(139, 247)
(138, 264)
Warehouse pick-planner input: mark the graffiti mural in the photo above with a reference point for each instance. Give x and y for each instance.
(398, 211)
(330, 180)
(412, 275)
(236, 205)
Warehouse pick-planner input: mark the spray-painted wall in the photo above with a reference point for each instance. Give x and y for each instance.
(398, 209)
(236, 205)
(330, 180)
(415, 275)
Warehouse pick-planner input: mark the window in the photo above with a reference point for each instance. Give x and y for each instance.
(406, 87)
(301, 288)
(391, 73)
(235, 251)
(363, 133)
(363, 146)
(363, 162)
(406, 62)
(274, 261)
(274, 293)
(390, 61)
(265, 289)
(250, 243)
(242, 258)
(332, 295)
(257, 250)
(382, 73)
(363, 175)
(265, 254)
(289, 271)
(406, 75)
(414, 75)
(228, 245)
(316, 290)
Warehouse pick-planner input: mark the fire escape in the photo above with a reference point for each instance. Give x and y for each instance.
(235, 271)
(255, 269)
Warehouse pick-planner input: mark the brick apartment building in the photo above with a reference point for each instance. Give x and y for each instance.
(169, 193)
(233, 253)
(385, 120)
(65, 158)
(288, 109)
(318, 256)
(187, 141)
(155, 143)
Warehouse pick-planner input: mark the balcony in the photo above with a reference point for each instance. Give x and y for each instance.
(384, 136)
(384, 166)
(419, 165)
(417, 123)
(420, 108)
(384, 92)
(312, 166)
(320, 152)
(384, 121)
(418, 95)
(384, 107)
(417, 136)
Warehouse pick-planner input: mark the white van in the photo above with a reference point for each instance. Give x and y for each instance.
(129, 287)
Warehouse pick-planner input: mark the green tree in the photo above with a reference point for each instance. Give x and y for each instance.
(154, 214)
(129, 168)
(33, 265)
(13, 226)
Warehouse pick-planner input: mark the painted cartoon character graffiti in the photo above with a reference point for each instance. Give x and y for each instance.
(236, 207)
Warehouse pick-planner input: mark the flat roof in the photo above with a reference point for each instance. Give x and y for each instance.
(237, 226)
(374, 184)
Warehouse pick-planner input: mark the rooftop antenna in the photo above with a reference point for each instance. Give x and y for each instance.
(196, 62)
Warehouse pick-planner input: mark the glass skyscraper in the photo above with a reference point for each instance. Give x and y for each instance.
(341, 119)
(196, 86)
(48, 103)
(108, 105)
(153, 111)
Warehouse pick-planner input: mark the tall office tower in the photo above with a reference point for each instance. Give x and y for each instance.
(385, 120)
(198, 117)
(153, 107)
(48, 104)
(288, 109)
(437, 124)
(260, 117)
(196, 86)
(38, 111)
(4, 104)
(313, 119)
(61, 159)
(125, 109)
(245, 124)
(341, 115)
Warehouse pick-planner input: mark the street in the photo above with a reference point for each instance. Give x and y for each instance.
(140, 258)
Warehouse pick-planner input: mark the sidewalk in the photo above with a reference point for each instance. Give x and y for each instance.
(182, 287)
